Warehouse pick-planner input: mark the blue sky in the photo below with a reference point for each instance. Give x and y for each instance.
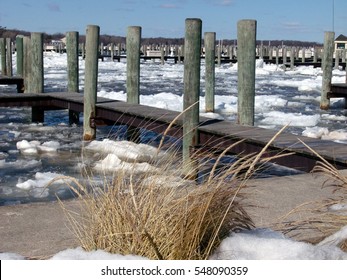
(304, 20)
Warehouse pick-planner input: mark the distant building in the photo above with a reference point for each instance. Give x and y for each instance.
(56, 45)
(341, 42)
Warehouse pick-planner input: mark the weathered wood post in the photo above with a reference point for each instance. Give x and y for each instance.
(327, 66)
(112, 51)
(180, 53)
(162, 55)
(219, 54)
(192, 47)
(230, 52)
(91, 81)
(337, 59)
(72, 69)
(303, 57)
(26, 62)
(284, 56)
(9, 69)
(210, 50)
(246, 38)
(72, 61)
(36, 73)
(83, 50)
(133, 49)
(270, 52)
(261, 50)
(315, 55)
(20, 55)
(102, 49)
(292, 58)
(133, 44)
(3, 56)
(119, 47)
(277, 56)
(343, 54)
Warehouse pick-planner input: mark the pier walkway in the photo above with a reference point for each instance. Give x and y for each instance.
(214, 134)
(19, 81)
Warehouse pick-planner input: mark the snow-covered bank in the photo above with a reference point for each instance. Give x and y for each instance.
(258, 244)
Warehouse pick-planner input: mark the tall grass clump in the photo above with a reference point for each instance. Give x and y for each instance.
(323, 219)
(159, 214)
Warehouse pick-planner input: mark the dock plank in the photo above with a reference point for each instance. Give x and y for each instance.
(13, 80)
(216, 134)
(338, 90)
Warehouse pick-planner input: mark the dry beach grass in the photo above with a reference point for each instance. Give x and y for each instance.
(161, 215)
(325, 217)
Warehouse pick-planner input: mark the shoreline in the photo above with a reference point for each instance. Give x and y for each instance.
(40, 230)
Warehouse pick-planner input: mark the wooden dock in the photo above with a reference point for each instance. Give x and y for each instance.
(223, 60)
(339, 91)
(19, 81)
(213, 133)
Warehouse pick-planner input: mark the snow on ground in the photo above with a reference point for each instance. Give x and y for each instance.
(258, 244)
(265, 244)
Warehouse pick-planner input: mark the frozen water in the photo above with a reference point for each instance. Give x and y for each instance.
(282, 98)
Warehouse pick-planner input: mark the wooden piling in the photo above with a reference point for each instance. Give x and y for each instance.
(91, 81)
(180, 53)
(3, 56)
(83, 50)
(20, 55)
(303, 57)
(270, 52)
(162, 55)
(219, 54)
(292, 58)
(284, 55)
(192, 47)
(72, 61)
(133, 45)
(36, 75)
(119, 47)
(230, 52)
(26, 62)
(72, 69)
(327, 66)
(112, 51)
(210, 49)
(9, 70)
(315, 55)
(36, 72)
(337, 59)
(246, 38)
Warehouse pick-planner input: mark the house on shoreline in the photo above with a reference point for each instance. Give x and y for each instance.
(341, 42)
